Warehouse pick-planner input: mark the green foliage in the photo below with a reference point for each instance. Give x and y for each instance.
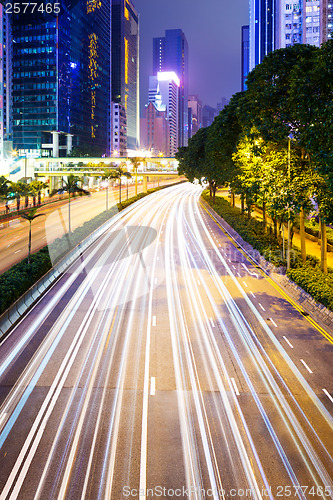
(269, 101)
(86, 151)
(18, 279)
(308, 276)
(315, 282)
(250, 230)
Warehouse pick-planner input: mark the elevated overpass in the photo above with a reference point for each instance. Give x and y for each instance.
(53, 169)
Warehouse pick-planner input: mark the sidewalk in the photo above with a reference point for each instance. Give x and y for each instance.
(312, 247)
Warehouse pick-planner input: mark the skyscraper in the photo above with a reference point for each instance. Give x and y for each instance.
(61, 78)
(160, 124)
(125, 65)
(280, 23)
(195, 104)
(1, 82)
(170, 53)
(245, 56)
(263, 21)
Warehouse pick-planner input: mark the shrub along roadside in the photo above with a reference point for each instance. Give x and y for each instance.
(307, 276)
(19, 278)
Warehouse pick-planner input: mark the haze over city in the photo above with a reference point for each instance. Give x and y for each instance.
(213, 32)
(166, 250)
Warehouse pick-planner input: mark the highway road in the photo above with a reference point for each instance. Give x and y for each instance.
(14, 234)
(164, 364)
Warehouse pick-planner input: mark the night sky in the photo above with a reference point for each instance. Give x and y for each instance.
(213, 32)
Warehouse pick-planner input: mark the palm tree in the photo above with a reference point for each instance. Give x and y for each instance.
(71, 186)
(118, 173)
(19, 190)
(108, 174)
(136, 162)
(36, 189)
(30, 216)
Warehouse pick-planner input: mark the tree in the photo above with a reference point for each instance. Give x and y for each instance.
(135, 161)
(4, 187)
(222, 140)
(118, 173)
(17, 190)
(85, 151)
(30, 216)
(37, 187)
(269, 105)
(108, 174)
(71, 186)
(247, 177)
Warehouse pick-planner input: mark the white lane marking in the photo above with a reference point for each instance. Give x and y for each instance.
(252, 294)
(262, 307)
(152, 386)
(235, 386)
(306, 366)
(239, 275)
(229, 260)
(210, 319)
(234, 266)
(328, 395)
(273, 322)
(199, 282)
(2, 418)
(17, 251)
(285, 338)
(250, 272)
(244, 283)
(154, 320)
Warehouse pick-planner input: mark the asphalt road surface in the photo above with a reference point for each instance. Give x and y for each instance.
(164, 364)
(15, 233)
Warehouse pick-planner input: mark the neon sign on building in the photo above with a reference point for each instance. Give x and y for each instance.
(93, 75)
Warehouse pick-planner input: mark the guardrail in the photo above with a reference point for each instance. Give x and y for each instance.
(13, 315)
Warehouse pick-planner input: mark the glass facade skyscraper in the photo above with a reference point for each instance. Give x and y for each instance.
(262, 29)
(245, 55)
(170, 53)
(125, 65)
(61, 75)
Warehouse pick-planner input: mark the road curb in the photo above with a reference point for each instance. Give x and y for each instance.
(311, 307)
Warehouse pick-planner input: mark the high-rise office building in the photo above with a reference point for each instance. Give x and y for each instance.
(245, 55)
(154, 129)
(263, 21)
(208, 115)
(163, 105)
(195, 105)
(1, 82)
(280, 23)
(170, 53)
(61, 78)
(125, 65)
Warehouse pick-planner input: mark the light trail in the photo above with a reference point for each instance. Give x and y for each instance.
(93, 377)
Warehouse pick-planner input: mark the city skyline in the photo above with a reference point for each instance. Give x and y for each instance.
(214, 38)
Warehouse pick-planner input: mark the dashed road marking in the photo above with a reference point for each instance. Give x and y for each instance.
(285, 338)
(306, 366)
(235, 386)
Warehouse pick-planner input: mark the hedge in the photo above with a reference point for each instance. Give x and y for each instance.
(308, 276)
(22, 276)
(251, 230)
